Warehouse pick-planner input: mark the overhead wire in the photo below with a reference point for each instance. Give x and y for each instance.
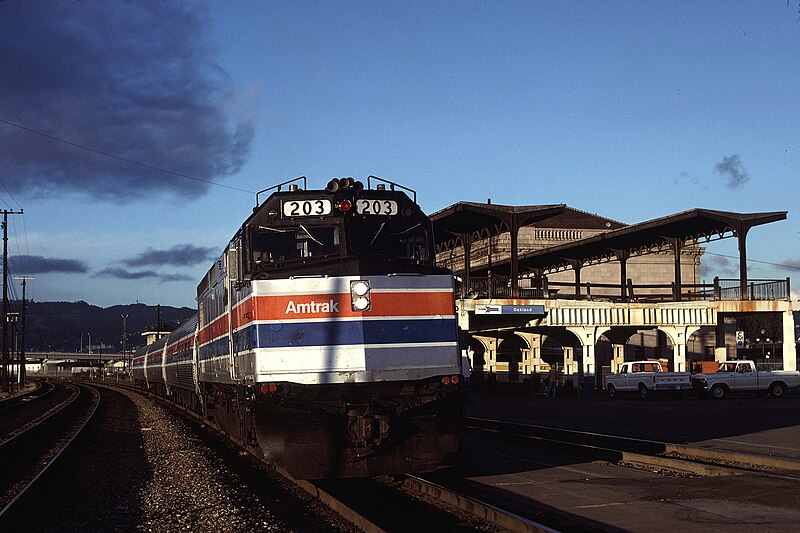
(126, 160)
(10, 195)
(749, 260)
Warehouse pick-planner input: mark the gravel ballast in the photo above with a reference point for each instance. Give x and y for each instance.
(141, 467)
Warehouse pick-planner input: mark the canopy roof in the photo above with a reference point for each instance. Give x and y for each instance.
(689, 227)
(465, 218)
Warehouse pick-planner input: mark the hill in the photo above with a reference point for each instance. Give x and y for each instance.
(67, 326)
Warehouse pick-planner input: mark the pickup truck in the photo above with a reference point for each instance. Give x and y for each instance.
(646, 377)
(743, 376)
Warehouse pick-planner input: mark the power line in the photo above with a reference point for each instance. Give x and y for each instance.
(11, 195)
(131, 161)
(781, 265)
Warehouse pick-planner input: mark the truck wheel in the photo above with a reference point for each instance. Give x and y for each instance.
(776, 390)
(644, 392)
(612, 391)
(718, 392)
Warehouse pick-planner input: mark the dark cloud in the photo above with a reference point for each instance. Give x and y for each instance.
(791, 264)
(719, 265)
(177, 277)
(731, 167)
(179, 255)
(36, 264)
(121, 273)
(135, 79)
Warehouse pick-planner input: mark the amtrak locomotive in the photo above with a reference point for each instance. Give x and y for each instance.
(325, 339)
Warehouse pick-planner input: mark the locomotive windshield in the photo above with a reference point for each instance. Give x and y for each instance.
(286, 244)
(409, 242)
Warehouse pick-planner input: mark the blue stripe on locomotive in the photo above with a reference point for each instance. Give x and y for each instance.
(328, 333)
(334, 333)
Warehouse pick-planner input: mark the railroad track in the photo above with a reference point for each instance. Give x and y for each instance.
(41, 390)
(27, 454)
(398, 503)
(697, 460)
(24, 410)
(411, 503)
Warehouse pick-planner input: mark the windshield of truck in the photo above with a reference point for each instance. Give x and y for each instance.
(727, 367)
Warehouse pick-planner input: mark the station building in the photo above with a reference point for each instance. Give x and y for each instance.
(542, 255)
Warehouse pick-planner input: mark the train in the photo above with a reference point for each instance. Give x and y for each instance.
(326, 339)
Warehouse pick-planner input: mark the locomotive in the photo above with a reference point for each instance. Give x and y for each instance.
(326, 338)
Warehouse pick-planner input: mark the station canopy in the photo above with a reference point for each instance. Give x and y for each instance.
(485, 220)
(684, 229)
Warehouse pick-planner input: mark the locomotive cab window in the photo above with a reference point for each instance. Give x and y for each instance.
(270, 245)
(404, 241)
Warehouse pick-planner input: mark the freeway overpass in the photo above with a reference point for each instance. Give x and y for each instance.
(37, 357)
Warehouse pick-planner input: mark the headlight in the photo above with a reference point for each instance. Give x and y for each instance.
(359, 295)
(359, 288)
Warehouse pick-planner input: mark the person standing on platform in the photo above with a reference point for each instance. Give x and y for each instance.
(553, 381)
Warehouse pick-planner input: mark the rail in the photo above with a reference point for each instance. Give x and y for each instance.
(542, 288)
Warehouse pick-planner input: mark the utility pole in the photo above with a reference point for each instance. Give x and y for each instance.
(124, 342)
(22, 332)
(5, 382)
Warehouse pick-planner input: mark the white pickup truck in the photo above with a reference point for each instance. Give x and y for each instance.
(646, 377)
(743, 376)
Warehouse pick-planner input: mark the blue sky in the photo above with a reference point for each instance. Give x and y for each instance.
(632, 110)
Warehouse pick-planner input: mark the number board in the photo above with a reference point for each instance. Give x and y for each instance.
(306, 208)
(376, 207)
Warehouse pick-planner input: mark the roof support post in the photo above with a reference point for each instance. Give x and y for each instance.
(577, 264)
(741, 235)
(623, 256)
(677, 246)
(514, 231)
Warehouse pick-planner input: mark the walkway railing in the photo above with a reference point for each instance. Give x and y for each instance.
(719, 290)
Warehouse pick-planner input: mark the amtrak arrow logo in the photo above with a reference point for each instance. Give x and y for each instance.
(491, 309)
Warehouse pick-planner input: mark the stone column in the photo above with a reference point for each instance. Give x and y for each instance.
(618, 357)
(569, 360)
(679, 335)
(789, 346)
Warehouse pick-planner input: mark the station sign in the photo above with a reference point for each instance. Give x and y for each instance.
(535, 310)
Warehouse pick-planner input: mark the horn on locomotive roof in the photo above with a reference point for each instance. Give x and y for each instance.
(279, 186)
(344, 183)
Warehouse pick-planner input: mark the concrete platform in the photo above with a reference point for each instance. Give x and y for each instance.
(569, 493)
(744, 423)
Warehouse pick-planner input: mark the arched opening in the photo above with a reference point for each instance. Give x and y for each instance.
(510, 356)
(552, 351)
(477, 353)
